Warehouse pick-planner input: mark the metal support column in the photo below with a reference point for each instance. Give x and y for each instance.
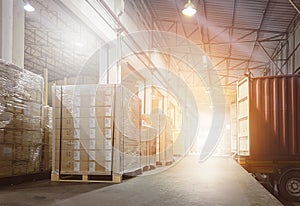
(6, 30)
(46, 87)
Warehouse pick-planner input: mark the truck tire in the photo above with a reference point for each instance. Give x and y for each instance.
(261, 177)
(289, 187)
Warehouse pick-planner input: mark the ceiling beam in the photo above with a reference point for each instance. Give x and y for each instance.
(225, 27)
(230, 40)
(218, 34)
(206, 26)
(295, 6)
(270, 58)
(257, 34)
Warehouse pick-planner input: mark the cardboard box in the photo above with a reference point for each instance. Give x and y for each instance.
(19, 168)
(31, 123)
(67, 123)
(84, 123)
(21, 152)
(98, 156)
(96, 167)
(74, 166)
(6, 152)
(32, 109)
(36, 96)
(10, 136)
(79, 112)
(6, 168)
(33, 167)
(72, 155)
(82, 133)
(32, 137)
(83, 101)
(68, 134)
(13, 123)
(90, 167)
(85, 144)
(2, 136)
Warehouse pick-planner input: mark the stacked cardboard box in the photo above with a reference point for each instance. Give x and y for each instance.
(48, 126)
(148, 147)
(90, 132)
(164, 141)
(128, 120)
(82, 124)
(21, 134)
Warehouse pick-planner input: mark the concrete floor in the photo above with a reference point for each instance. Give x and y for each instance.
(218, 181)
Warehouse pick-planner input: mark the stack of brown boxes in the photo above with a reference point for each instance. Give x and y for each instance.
(128, 121)
(148, 147)
(21, 134)
(169, 141)
(164, 141)
(48, 136)
(86, 129)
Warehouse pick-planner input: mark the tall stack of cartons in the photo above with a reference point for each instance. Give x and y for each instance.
(21, 133)
(89, 131)
(169, 141)
(48, 127)
(148, 147)
(164, 141)
(128, 125)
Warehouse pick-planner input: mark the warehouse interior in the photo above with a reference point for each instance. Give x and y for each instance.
(149, 102)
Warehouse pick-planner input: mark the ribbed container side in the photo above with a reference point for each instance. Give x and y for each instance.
(275, 117)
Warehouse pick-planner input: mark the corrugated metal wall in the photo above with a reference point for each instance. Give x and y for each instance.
(288, 50)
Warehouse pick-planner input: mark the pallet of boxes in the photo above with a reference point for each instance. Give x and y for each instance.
(21, 133)
(128, 132)
(48, 128)
(148, 144)
(164, 140)
(96, 133)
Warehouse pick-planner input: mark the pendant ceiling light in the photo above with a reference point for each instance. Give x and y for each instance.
(28, 7)
(189, 9)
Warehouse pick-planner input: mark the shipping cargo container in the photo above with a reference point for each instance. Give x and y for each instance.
(268, 130)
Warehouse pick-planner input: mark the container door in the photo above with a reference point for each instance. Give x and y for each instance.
(243, 141)
(233, 120)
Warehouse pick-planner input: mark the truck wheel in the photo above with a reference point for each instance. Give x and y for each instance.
(261, 177)
(289, 186)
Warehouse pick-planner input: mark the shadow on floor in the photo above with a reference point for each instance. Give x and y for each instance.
(44, 192)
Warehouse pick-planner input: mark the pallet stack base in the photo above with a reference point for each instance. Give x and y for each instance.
(115, 178)
(22, 145)
(135, 173)
(164, 163)
(96, 133)
(149, 167)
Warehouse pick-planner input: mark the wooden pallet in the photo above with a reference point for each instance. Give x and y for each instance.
(163, 164)
(148, 167)
(115, 178)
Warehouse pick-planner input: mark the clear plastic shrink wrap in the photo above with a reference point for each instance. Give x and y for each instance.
(21, 131)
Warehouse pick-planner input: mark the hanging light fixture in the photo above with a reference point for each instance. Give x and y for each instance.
(28, 7)
(189, 9)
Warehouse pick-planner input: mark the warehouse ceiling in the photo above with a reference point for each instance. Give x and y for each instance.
(57, 40)
(239, 36)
